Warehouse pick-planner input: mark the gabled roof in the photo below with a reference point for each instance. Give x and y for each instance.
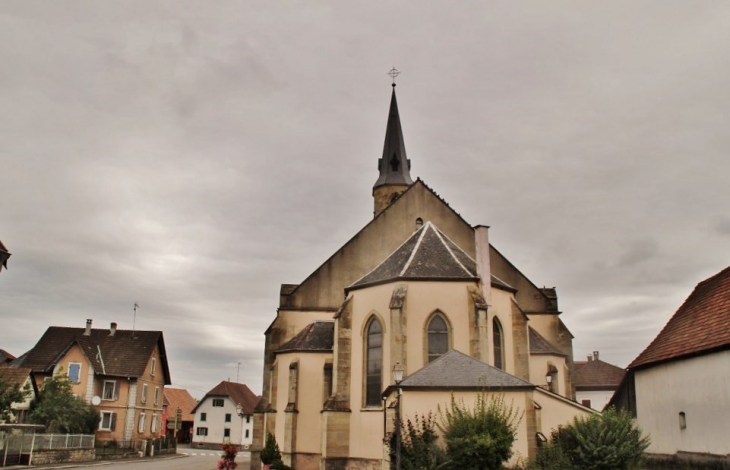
(179, 398)
(125, 354)
(318, 336)
(701, 325)
(455, 370)
(239, 393)
(14, 375)
(540, 346)
(427, 254)
(596, 375)
(6, 356)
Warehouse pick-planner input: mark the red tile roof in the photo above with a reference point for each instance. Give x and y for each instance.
(596, 375)
(179, 397)
(239, 393)
(701, 325)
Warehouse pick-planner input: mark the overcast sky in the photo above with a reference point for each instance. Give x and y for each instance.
(193, 156)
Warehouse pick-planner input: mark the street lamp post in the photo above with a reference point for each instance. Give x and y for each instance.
(397, 378)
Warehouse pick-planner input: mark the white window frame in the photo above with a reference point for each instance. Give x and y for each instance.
(143, 397)
(198, 433)
(114, 390)
(157, 395)
(68, 372)
(153, 367)
(142, 422)
(153, 424)
(101, 421)
(219, 400)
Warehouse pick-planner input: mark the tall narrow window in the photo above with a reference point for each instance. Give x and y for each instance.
(74, 372)
(374, 377)
(498, 344)
(438, 337)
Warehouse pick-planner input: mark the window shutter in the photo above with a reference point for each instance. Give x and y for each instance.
(113, 423)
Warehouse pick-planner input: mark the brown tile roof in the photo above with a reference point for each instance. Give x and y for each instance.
(539, 345)
(701, 325)
(317, 336)
(125, 354)
(6, 356)
(596, 375)
(14, 375)
(237, 392)
(455, 370)
(179, 397)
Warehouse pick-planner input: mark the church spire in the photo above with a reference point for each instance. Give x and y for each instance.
(394, 166)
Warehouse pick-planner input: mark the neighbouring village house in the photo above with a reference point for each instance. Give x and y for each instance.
(122, 373)
(595, 381)
(421, 289)
(225, 414)
(678, 386)
(21, 377)
(180, 403)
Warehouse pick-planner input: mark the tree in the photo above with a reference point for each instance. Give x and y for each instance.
(271, 456)
(480, 438)
(419, 449)
(10, 393)
(60, 411)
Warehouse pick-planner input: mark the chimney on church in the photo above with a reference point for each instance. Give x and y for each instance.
(112, 328)
(87, 332)
(394, 166)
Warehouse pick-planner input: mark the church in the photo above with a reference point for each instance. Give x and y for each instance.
(417, 290)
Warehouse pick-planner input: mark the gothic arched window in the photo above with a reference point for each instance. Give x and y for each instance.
(374, 363)
(438, 337)
(498, 341)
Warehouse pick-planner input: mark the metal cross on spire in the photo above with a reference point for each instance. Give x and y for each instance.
(393, 73)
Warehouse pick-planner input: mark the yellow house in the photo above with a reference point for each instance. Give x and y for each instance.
(122, 373)
(418, 288)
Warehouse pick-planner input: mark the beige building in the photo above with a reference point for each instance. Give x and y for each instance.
(420, 287)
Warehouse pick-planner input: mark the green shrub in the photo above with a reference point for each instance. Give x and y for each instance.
(419, 450)
(609, 441)
(480, 438)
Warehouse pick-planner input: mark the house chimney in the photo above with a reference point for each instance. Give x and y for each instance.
(481, 239)
(87, 332)
(595, 355)
(112, 328)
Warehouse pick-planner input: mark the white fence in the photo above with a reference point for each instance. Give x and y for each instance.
(14, 447)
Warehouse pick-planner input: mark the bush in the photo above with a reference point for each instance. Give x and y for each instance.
(60, 411)
(481, 438)
(419, 450)
(609, 441)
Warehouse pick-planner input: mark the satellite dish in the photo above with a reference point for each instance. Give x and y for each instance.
(96, 401)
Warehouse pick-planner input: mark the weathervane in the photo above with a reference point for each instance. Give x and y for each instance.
(393, 73)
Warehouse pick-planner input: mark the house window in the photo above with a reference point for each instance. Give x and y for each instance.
(201, 431)
(586, 403)
(108, 421)
(248, 419)
(142, 422)
(153, 367)
(157, 394)
(228, 417)
(682, 420)
(498, 343)
(218, 402)
(438, 337)
(143, 398)
(374, 377)
(246, 433)
(110, 390)
(203, 416)
(226, 432)
(153, 425)
(74, 372)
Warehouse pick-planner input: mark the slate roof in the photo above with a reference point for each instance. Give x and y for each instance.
(317, 336)
(239, 393)
(179, 397)
(126, 354)
(540, 346)
(394, 166)
(427, 254)
(596, 375)
(701, 325)
(455, 370)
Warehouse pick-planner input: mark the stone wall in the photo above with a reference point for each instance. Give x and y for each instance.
(42, 457)
(687, 461)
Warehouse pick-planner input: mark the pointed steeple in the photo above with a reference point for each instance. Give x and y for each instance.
(394, 165)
